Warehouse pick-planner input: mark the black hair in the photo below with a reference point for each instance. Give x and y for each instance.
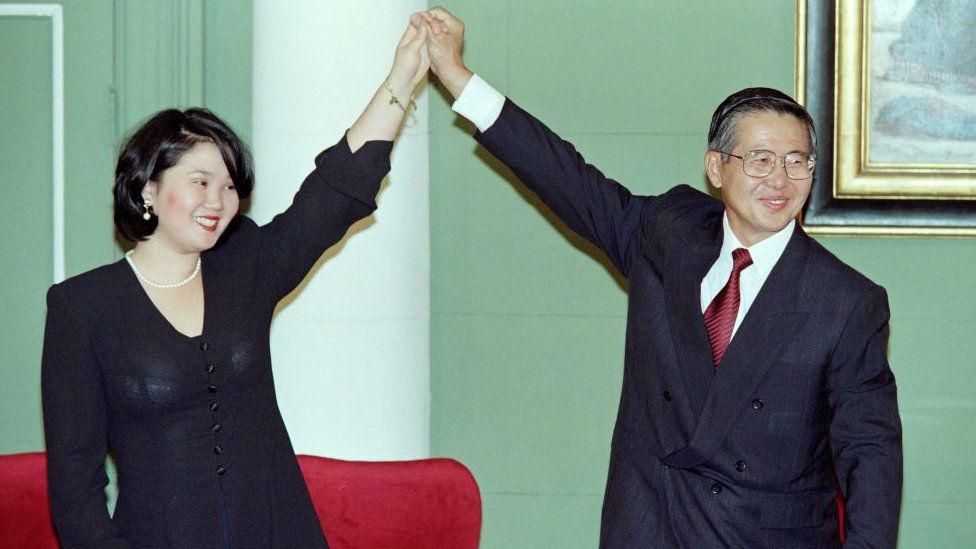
(723, 135)
(157, 146)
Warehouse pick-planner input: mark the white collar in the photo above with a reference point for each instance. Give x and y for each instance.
(764, 253)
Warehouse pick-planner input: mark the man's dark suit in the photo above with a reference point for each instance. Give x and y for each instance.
(744, 456)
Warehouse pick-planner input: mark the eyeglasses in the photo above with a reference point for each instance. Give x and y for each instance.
(761, 163)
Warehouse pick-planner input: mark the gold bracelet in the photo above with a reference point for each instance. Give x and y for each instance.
(395, 100)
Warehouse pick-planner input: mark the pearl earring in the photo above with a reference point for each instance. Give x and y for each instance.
(147, 204)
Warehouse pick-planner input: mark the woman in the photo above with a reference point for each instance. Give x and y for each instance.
(164, 355)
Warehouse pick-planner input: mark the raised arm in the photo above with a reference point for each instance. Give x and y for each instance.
(342, 188)
(381, 118)
(596, 207)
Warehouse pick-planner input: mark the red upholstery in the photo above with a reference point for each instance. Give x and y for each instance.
(26, 520)
(405, 504)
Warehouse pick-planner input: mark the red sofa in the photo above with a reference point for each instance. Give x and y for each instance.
(431, 503)
(26, 521)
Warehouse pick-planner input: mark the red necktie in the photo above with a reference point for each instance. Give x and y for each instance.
(721, 312)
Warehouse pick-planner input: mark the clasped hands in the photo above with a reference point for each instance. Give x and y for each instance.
(432, 41)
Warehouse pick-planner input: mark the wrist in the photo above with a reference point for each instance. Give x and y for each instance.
(402, 97)
(456, 79)
(399, 85)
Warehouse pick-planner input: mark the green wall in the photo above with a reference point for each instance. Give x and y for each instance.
(26, 177)
(25, 153)
(528, 321)
(123, 60)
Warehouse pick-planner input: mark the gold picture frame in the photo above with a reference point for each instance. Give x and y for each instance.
(887, 167)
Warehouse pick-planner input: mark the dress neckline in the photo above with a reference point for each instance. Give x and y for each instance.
(141, 296)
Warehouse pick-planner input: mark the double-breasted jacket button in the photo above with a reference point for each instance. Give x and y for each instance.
(204, 346)
(211, 368)
(667, 396)
(214, 406)
(216, 427)
(221, 470)
(757, 404)
(212, 388)
(716, 488)
(740, 466)
(218, 450)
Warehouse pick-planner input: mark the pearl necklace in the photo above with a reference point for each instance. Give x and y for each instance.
(184, 282)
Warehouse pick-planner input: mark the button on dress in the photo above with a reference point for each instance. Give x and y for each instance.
(203, 456)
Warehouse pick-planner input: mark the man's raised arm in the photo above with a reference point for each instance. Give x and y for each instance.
(592, 205)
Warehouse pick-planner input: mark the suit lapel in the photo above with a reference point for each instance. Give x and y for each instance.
(683, 298)
(760, 339)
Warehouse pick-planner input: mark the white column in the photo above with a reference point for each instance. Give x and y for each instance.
(351, 346)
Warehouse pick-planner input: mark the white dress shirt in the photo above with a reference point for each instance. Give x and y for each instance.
(480, 103)
(764, 253)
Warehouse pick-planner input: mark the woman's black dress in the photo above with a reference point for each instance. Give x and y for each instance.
(203, 456)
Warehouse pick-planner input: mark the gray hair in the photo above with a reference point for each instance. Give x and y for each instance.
(723, 132)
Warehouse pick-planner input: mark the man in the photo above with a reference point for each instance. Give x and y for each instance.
(755, 382)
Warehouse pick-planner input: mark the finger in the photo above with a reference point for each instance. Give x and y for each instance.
(424, 35)
(450, 24)
(442, 14)
(408, 35)
(434, 40)
(434, 16)
(434, 26)
(416, 20)
(420, 37)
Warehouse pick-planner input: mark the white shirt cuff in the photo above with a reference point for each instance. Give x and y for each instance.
(480, 103)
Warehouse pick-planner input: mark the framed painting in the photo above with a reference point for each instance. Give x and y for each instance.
(891, 85)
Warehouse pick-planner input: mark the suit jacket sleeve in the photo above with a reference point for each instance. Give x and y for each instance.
(594, 206)
(340, 191)
(865, 429)
(74, 429)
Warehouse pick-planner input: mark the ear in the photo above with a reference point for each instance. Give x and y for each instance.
(149, 191)
(713, 168)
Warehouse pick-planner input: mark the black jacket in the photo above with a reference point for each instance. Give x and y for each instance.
(193, 423)
(743, 457)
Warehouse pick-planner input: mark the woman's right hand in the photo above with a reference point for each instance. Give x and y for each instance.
(411, 61)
